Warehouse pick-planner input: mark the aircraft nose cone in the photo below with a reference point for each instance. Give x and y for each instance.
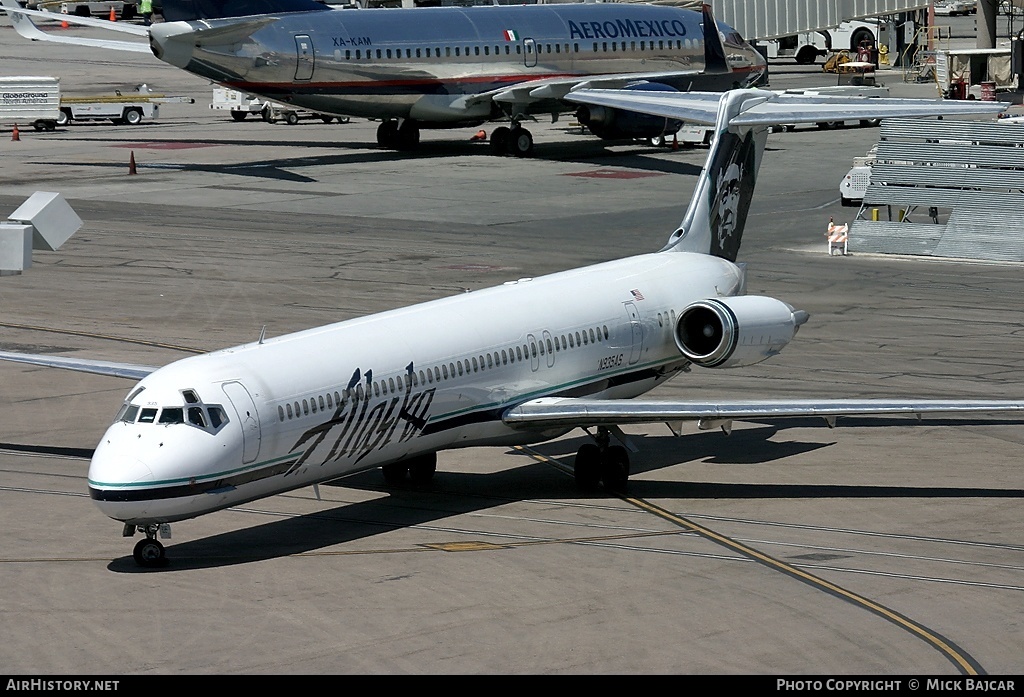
(113, 466)
(172, 42)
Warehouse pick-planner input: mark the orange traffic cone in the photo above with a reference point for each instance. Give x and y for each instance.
(113, 15)
(480, 135)
(63, 24)
(131, 164)
(675, 141)
(15, 134)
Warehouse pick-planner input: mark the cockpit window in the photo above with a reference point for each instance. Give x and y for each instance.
(208, 417)
(172, 415)
(217, 416)
(196, 417)
(128, 413)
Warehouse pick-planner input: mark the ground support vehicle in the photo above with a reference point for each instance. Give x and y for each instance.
(274, 112)
(855, 183)
(242, 105)
(239, 104)
(118, 108)
(30, 100)
(805, 48)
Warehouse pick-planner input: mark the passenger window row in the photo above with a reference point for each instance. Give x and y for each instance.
(444, 371)
(463, 51)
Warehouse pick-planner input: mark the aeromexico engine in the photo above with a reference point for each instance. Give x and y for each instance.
(617, 124)
(736, 331)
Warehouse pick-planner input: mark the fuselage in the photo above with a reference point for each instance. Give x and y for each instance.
(215, 430)
(427, 64)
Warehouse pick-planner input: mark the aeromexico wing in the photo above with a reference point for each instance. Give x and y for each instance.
(441, 67)
(499, 366)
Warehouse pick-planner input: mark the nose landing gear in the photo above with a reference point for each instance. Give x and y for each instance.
(149, 552)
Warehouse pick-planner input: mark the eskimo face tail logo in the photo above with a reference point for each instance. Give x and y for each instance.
(733, 174)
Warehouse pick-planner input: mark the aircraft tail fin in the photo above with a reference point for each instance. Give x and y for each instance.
(717, 214)
(714, 221)
(189, 10)
(714, 49)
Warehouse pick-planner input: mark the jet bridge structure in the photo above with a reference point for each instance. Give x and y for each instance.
(944, 189)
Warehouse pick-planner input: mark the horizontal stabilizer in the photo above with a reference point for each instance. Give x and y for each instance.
(778, 108)
(23, 24)
(81, 365)
(555, 412)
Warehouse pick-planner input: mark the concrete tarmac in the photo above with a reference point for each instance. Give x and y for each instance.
(884, 547)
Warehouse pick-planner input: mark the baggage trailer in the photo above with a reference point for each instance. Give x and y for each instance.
(118, 108)
(29, 100)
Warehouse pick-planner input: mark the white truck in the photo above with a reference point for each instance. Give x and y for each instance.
(807, 47)
(30, 100)
(241, 105)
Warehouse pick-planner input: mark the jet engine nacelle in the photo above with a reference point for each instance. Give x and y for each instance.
(736, 331)
(618, 124)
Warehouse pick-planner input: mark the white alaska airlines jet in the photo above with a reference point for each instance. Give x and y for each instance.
(441, 67)
(510, 367)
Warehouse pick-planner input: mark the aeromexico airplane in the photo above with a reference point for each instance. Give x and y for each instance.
(442, 67)
(499, 366)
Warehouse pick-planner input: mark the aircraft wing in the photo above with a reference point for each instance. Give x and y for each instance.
(23, 24)
(558, 87)
(81, 365)
(556, 412)
(777, 107)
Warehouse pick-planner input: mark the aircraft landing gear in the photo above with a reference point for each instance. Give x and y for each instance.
(149, 552)
(602, 463)
(387, 134)
(514, 140)
(393, 136)
(500, 140)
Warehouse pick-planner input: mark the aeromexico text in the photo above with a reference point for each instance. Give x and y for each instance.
(640, 29)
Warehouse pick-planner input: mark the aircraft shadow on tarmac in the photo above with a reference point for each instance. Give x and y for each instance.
(454, 493)
(594, 153)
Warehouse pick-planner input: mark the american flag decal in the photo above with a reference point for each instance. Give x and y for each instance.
(511, 35)
(637, 294)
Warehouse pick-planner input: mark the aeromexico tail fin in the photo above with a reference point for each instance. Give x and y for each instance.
(714, 49)
(188, 10)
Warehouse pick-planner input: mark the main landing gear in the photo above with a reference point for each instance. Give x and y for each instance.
(514, 140)
(149, 552)
(601, 463)
(395, 136)
(420, 470)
